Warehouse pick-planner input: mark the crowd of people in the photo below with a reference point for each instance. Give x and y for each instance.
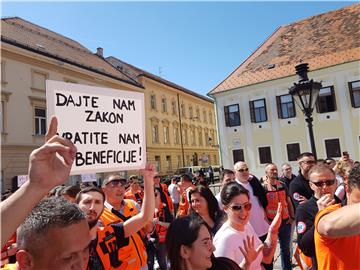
(128, 223)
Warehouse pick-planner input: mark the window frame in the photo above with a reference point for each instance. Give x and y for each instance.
(332, 147)
(291, 151)
(241, 155)
(333, 98)
(163, 104)
(280, 107)
(41, 120)
(253, 113)
(351, 92)
(261, 161)
(153, 102)
(155, 133)
(227, 114)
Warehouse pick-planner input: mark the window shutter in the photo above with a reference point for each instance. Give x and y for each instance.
(252, 113)
(278, 105)
(226, 111)
(266, 118)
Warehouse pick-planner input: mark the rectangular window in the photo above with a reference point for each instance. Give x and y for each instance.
(191, 113)
(293, 151)
(198, 114)
(210, 118)
(332, 147)
(40, 121)
(354, 88)
(38, 80)
(183, 110)
(207, 142)
(155, 134)
(238, 155)
(265, 155)
(179, 161)
(258, 111)
(166, 135)
(285, 106)
(232, 115)
(176, 135)
(153, 102)
(163, 104)
(326, 101)
(204, 116)
(173, 106)
(158, 163)
(168, 164)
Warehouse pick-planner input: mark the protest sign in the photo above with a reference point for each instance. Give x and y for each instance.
(90, 177)
(106, 125)
(21, 179)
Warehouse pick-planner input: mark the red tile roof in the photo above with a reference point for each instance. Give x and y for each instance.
(29, 36)
(135, 73)
(324, 40)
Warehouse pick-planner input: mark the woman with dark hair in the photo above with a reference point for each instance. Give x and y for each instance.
(189, 246)
(204, 204)
(230, 237)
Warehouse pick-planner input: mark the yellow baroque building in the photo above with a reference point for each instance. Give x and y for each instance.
(30, 54)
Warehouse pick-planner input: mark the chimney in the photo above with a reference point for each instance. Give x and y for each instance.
(99, 51)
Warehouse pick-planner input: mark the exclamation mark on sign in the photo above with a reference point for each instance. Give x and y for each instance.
(139, 153)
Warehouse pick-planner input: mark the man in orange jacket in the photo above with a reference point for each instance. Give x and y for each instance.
(337, 229)
(134, 192)
(106, 241)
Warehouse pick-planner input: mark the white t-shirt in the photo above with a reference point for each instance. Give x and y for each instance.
(227, 241)
(257, 213)
(174, 193)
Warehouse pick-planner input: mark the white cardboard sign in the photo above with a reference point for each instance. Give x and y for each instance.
(21, 179)
(90, 177)
(106, 125)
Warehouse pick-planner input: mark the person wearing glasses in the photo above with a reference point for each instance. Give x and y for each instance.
(323, 183)
(300, 188)
(257, 196)
(117, 209)
(229, 240)
(134, 192)
(337, 229)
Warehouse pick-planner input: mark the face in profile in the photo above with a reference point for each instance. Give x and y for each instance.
(198, 255)
(60, 248)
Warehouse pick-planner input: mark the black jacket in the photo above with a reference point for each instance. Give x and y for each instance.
(300, 186)
(258, 190)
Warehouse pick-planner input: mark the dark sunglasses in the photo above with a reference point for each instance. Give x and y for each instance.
(243, 170)
(117, 182)
(245, 206)
(326, 182)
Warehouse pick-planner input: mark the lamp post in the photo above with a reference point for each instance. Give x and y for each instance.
(305, 94)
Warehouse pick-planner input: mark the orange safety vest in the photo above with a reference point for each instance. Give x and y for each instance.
(184, 203)
(108, 250)
(161, 230)
(274, 197)
(168, 198)
(137, 197)
(136, 247)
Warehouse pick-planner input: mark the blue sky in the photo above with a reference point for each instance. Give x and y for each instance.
(193, 44)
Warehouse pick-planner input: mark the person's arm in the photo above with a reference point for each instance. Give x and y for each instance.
(342, 222)
(291, 209)
(305, 232)
(138, 221)
(46, 170)
(272, 237)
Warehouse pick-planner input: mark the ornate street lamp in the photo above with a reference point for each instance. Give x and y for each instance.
(305, 94)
